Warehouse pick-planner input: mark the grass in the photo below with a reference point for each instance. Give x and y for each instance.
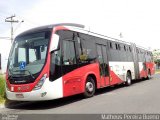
(2, 89)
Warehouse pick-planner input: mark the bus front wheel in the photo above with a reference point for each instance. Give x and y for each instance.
(89, 87)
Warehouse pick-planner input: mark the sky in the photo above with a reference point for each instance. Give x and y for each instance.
(138, 21)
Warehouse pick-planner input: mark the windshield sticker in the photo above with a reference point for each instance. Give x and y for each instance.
(22, 65)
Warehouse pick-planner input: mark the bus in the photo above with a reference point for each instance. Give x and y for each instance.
(60, 60)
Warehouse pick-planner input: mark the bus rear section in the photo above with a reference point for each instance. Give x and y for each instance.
(146, 63)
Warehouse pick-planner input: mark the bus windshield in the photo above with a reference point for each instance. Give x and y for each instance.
(28, 56)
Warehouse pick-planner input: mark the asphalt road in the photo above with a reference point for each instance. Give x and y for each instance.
(143, 96)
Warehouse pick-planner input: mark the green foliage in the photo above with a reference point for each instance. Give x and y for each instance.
(157, 61)
(156, 55)
(2, 88)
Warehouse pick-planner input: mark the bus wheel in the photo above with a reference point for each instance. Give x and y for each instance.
(89, 87)
(128, 79)
(149, 75)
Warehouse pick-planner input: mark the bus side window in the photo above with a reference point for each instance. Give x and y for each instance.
(68, 51)
(69, 57)
(86, 49)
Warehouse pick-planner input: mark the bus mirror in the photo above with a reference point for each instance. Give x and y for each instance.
(54, 42)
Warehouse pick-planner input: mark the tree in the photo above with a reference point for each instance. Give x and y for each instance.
(156, 57)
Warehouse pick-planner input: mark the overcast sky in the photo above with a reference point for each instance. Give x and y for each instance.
(137, 20)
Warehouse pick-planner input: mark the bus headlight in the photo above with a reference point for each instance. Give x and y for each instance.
(40, 83)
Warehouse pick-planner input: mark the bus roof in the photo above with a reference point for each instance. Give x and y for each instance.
(47, 27)
(76, 27)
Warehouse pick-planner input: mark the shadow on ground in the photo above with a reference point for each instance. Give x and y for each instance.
(41, 105)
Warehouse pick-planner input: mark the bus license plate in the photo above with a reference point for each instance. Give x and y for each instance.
(19, 96)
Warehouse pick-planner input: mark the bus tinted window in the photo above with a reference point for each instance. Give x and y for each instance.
(86, 47)
(68, 52)
(69, 56)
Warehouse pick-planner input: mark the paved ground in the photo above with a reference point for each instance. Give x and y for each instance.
(140, 97)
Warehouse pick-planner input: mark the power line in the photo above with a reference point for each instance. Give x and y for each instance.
(18, 26)
(5, 38)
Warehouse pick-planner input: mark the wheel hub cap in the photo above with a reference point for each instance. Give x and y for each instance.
(89, 86)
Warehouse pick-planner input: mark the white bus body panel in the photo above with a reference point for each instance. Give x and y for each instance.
(121, 68)
(54, 90)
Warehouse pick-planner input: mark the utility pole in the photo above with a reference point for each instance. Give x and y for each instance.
(11, 20)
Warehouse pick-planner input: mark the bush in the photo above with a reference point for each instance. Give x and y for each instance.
(2, 88)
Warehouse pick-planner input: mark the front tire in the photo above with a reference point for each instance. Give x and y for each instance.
(128, 79)
(89, 87)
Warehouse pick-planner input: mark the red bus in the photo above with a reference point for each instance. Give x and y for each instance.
(61, 60)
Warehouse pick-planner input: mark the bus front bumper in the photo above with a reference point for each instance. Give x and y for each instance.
(49, 91)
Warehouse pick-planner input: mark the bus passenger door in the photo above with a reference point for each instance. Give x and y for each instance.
(103, 64)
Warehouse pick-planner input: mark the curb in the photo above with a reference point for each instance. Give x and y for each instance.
(2, 106)
(10, 104)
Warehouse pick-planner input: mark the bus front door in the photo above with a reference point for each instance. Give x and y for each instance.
(103, 65)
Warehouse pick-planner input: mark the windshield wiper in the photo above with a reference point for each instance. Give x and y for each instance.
(25, 70)
(30, 73)
(9, 74)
